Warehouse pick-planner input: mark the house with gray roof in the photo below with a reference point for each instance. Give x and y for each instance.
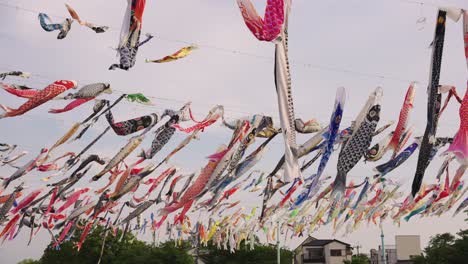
(322, 251)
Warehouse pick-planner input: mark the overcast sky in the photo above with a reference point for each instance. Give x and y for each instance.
(358, 44)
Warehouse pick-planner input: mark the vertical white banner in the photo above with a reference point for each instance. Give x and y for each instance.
(285, 102)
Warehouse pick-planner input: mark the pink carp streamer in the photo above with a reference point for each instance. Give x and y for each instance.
(200, 126)
(197, 187)
(459, 146)
(53, 164)
(403, 119)
(154, 183)
(26, 200)
(74, 104)
(266, 29)
(72, 199)
(84, 235)
(216, 113)
(52, 200)
(41, 97)
(63, 234)
(28, 93)
(9, 227)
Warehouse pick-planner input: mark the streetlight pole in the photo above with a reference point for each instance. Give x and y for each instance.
(384, 259)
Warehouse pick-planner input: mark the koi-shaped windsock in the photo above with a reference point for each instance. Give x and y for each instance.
(72, 199)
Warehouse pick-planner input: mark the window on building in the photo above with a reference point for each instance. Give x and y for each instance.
(335, 252)
(315, 252)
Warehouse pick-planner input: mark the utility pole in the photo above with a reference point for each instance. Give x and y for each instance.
(198, 252)
(384, 259)
(198, 240)
(357, 248)
(278, 242)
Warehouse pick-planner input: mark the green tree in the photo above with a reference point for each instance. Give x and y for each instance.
(445, 249)
(440, 248)
(128, 250)
(357, 259)
(261, 254)
(418, 259)
(29, 261)
(461, 248)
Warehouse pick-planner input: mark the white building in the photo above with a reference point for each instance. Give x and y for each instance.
(322, 251)
(400, 253)
(407, 246)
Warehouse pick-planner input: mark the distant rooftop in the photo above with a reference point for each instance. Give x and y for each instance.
(312, 241)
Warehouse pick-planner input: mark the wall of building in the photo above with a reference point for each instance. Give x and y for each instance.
(298, 255)
(304, 250)
(390, 255)
(332, 259)
(374, 256)
(407, 246)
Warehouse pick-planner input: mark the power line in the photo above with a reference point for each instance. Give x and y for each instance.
(231, 51)
(158, 108)
(248, 54)
(46, 81)
(227, 108)
(426, 3)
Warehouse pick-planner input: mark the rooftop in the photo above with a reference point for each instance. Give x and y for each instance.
(311, 241)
